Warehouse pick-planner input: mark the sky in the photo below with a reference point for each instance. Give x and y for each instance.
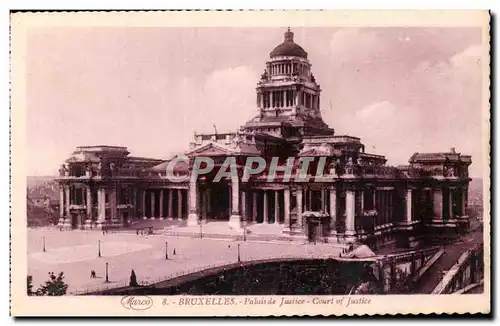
(402, 90)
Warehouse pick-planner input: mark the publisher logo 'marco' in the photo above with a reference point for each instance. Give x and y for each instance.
(141, 302)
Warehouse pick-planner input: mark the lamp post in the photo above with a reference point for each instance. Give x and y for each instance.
(239, 259)
(99, 248)
(43, 241)
(201, 230)
(107, 278)
(166, 249)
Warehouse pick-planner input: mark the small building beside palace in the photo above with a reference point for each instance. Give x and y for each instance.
(104, 186)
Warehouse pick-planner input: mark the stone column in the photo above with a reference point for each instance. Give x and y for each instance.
(438, 203)
(112, 205)
(161, 204)
(384, 204)
(390, 207)
(362, 201)
(265, 218)
(61, 202)
(209, 202)
(286, 199)
(450, 202)
(333, 210)
(323, 199)
(309, 200)
(350, 209)
(193, 203)
(101, 202)
(143, 203)
(170, 212)
(89, 205)
(304, 200)
(276, 207)
(409, 205)
(254, 206)
(464, 201)
(271, 99)
(179, 203)
(298, 222)
(67, 201)
(152, 202)
(134, 202)
(203, 205)
(235, 219)
(244, 214)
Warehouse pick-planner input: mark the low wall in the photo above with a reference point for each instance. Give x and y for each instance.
(467, 270)
(287, 277)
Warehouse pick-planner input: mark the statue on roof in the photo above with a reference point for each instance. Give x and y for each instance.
(62, 170)
(99, 168)
(88, 170)
(349, 166)
(264, 76)
(237, 139)
(313, 79)
(333, 167)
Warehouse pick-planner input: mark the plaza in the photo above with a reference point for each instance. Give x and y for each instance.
(76, 253)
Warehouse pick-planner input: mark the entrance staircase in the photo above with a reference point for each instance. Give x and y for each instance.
(156, 224)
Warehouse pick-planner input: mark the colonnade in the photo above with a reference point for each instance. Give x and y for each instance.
(278, 205)
(449, 202)
(163, 203)
(287, 98)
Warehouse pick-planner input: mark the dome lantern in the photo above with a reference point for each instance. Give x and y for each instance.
(288, 48)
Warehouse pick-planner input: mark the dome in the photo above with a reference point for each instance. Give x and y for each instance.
(289, 48)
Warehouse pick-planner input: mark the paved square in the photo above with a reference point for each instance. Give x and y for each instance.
(79, 253)
(76, 253)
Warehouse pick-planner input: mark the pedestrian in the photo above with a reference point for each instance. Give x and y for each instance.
(174, 251)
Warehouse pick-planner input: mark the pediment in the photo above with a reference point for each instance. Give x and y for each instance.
(82, 157)
(315, 152)
(211, 149)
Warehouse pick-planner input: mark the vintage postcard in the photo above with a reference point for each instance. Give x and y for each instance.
(250, 163)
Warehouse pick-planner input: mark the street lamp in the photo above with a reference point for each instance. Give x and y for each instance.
(245, 229)
(43, 240)
(166, 249)
(201, 230)
(107, 278)
(99, 248)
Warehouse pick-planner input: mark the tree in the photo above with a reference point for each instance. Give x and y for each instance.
(55, 286)
(133, 279)
(29, 281)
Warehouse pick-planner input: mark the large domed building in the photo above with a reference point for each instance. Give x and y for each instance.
(364, 200)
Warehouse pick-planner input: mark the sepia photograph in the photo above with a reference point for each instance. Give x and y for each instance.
(293, 164)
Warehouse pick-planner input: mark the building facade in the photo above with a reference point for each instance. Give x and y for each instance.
(103, 185)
